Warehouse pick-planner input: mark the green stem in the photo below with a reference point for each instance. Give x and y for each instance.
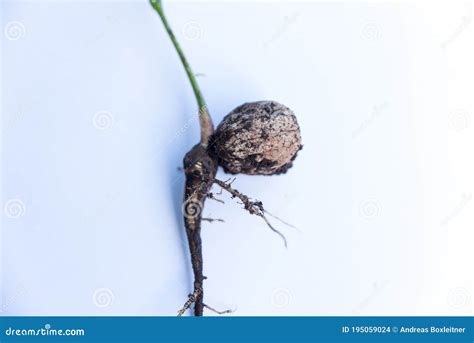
(205, 120)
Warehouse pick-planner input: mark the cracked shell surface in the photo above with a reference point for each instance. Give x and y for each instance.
(257, 138)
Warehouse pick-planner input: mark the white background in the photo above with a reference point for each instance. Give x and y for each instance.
(97, 114)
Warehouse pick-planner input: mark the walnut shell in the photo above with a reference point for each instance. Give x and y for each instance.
(257, 138)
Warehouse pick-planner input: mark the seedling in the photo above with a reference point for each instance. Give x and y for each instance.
(259, 138)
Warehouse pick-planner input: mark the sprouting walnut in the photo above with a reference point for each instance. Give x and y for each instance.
(257, 138)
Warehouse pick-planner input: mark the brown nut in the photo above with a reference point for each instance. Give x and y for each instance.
(257, 138)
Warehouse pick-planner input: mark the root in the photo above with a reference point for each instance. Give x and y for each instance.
(210, 220)
(253, 207)
(282, 221)
(189, 302)
(216, 311)
(212, 196)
